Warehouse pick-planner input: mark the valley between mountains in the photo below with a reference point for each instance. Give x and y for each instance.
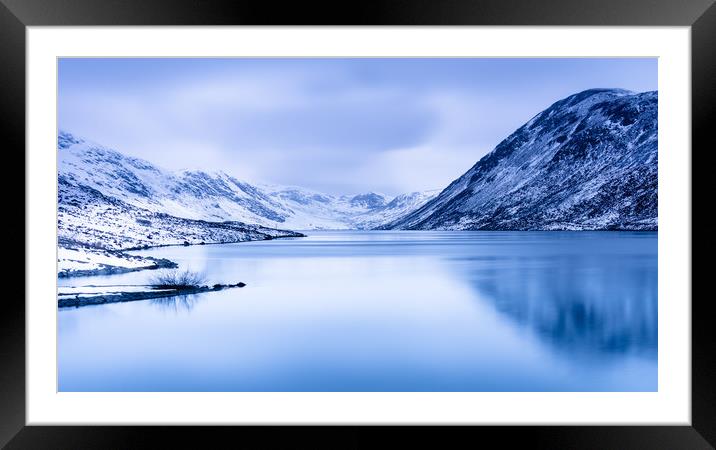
(588, 162)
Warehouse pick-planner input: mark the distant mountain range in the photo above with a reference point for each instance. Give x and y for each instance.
(588, 162)
(114, 201)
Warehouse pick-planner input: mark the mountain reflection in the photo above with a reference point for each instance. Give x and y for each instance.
(577, 304)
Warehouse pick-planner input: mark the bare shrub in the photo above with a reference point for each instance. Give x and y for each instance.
(178, 279)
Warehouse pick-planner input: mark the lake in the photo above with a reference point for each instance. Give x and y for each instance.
(382, 311)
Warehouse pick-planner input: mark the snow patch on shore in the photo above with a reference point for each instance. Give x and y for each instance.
(76, 261)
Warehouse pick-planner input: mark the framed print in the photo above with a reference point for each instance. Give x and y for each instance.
(483, 219)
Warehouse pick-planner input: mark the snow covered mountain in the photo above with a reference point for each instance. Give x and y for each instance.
(396, 208)
(217, 196)
(88, 218)
(587, 162)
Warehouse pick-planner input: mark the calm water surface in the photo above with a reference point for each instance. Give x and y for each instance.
(382, 311)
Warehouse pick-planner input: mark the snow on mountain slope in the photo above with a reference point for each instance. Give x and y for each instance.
(214, 196)
(316, 210)
(94, 229)
(396, 208)
(189, 194)
(587, 162)
(88, 218)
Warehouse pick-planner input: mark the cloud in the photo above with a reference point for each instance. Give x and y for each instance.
(279, 127)
(342, 126)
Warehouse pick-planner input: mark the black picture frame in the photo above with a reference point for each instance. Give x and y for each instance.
(16, 15)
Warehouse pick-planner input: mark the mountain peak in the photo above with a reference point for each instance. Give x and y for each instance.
(369, 200)
(575, 98)
(589, 161)
(66, 140)
(586, 99)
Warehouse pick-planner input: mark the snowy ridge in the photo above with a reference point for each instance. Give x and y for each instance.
(588, 162)
(217, 196)
(396, 208)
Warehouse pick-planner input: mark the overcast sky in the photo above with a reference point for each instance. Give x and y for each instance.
(334, 125)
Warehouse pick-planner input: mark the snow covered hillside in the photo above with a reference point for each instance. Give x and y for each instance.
(88, 218)
(93, 230)
(588, 162)
(217, 196)
(396, 208)
(108, 203)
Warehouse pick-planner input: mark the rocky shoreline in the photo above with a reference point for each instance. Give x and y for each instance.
(78, 301)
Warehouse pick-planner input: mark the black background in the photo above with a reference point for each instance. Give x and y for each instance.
(15, 15)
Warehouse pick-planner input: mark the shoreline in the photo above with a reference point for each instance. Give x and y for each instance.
(267, 238)
(163, 263)
(77, 301)
(159, 263)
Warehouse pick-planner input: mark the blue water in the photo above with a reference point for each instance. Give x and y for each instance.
(383, 311)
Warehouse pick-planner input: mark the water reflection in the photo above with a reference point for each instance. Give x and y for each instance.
(383, 311)
(177, 303)
(584, 305)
